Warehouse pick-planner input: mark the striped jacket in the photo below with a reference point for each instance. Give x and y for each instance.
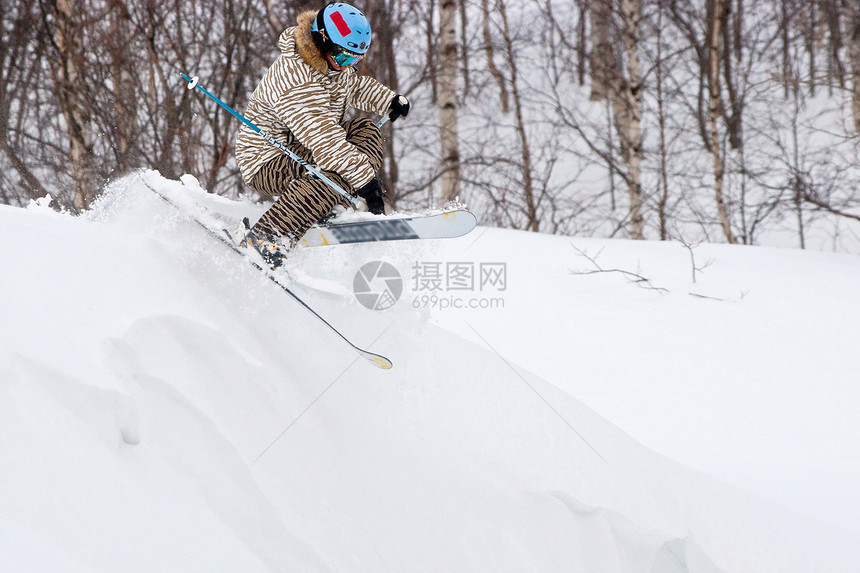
(301, 101)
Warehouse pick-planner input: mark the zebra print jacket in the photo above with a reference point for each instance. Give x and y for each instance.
(301, 101)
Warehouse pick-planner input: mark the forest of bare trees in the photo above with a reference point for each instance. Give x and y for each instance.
(721, 120)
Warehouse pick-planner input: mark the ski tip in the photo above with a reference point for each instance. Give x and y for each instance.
(377, 360)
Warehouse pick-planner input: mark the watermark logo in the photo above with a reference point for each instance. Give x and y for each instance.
(431, 276)
(377, 285)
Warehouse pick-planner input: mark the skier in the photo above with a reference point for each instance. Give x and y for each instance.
(302, 101)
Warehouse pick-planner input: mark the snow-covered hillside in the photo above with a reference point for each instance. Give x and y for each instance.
(163, 407)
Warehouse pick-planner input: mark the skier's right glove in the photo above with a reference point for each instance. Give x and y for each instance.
(372, 193)
(399, 107)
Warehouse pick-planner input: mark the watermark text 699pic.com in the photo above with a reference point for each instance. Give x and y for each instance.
(458, 285)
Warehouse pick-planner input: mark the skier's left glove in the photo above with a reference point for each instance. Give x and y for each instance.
(372, 193)
(399, 107)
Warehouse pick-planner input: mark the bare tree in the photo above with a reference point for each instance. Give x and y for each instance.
(529, 189)
(659, 71)
(63, 28)
(604, 59)
(627, 107)
(616, 75)
(853, 24)
(20, 76)
(489, 50)
(447, 82)
(717, 13)
(380, 64)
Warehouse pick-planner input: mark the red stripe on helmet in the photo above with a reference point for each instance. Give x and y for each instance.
(340, 23)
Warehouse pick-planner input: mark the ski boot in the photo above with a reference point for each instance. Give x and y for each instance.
(265, 245)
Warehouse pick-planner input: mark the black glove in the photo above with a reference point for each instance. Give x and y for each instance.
(399, 107)
(372, 193)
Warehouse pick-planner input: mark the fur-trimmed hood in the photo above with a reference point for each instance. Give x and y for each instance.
(304, 42)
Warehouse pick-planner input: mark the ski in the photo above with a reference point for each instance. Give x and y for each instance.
(448, 224)
(226, 239)
(452, 223)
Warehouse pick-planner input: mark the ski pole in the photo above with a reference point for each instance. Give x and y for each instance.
(193, 83)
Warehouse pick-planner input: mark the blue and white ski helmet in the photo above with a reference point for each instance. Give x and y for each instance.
(344, 26)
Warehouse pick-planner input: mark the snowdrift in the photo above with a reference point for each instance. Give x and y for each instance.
(164, 407)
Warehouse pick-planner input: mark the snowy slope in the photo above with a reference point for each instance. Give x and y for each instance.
(750, 374)
(163, 407)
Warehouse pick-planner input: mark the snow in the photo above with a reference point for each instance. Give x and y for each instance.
(164, 407)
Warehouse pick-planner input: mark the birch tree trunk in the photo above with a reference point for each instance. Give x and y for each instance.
(716, 15)
(447, 84)
(123, 84)
(603, 61)
(66, 79)
(623, 87)
(661, 123)
(627, 104)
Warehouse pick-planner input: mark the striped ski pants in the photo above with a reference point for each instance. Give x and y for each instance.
(303, 199)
